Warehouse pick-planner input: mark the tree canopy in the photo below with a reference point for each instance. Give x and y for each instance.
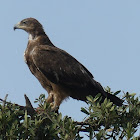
(104, 120)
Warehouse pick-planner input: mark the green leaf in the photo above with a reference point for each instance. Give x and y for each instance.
(84, 111)
(117, 92)
(132, 94)
(97, 97)
(66, 136)
(105, 101)
(109, 104)
(26, 117)
(112, 108)
(59, 117)
(90, 98)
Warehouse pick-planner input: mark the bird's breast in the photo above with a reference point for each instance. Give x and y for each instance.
(24, 55)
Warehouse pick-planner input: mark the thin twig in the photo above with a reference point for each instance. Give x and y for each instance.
(29, 106)
(5, 100)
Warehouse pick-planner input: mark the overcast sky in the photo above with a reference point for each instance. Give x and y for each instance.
(104, 35)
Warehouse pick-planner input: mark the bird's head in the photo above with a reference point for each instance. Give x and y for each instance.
(30, 25)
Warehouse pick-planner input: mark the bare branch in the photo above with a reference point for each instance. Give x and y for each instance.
(5, 100)
(28, 106)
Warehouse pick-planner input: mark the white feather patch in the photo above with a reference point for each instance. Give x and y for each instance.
(24, 58)
(31, 37)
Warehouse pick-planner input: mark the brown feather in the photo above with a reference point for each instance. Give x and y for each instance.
(57, 71)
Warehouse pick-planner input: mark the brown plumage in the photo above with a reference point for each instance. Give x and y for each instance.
(57, 71)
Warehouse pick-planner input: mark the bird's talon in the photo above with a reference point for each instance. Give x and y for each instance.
(55, 109)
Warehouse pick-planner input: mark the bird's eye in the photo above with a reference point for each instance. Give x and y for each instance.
(24, 22)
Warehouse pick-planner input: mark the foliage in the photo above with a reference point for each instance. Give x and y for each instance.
(103, 121)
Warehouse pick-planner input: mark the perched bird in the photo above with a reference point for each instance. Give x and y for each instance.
(60, 74)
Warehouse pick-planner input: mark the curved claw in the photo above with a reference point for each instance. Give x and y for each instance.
(55, 109)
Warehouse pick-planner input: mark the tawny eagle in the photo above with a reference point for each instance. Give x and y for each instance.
(60, 74)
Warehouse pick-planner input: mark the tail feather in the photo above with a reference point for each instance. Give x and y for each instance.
(117, 101)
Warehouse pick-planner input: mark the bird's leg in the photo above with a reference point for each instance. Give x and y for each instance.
(50, 98)
(56, 103)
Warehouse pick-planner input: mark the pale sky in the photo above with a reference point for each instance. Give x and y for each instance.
(104, 35)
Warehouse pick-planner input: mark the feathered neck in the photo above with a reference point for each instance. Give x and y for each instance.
(39, 39)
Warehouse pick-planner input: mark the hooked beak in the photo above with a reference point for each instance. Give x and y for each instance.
(17, 26)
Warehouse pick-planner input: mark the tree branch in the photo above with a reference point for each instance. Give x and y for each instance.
(28, 106)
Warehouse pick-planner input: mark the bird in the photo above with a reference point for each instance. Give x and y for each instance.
(59, 73)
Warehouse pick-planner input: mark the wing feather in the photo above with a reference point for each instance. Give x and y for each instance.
(60, 67)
